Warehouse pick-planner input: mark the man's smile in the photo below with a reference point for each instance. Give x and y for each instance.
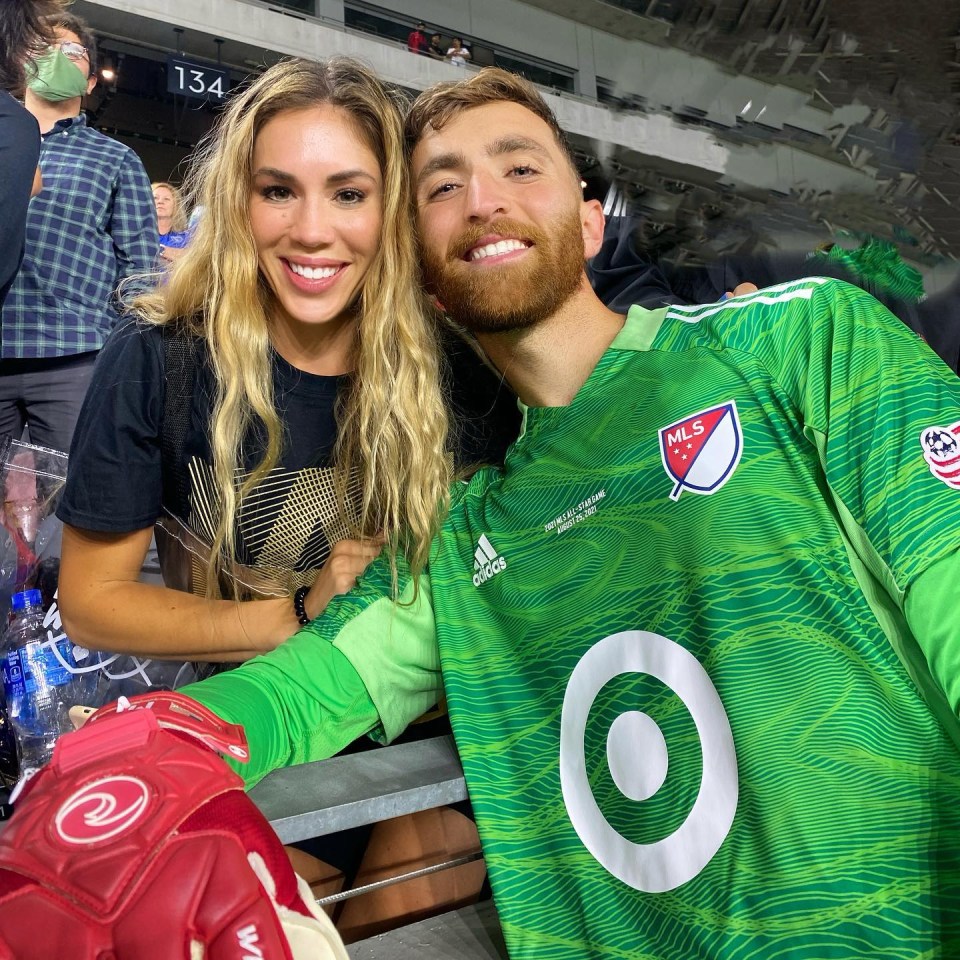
(497, 248)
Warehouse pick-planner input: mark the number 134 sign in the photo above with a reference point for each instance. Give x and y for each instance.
(203, 81)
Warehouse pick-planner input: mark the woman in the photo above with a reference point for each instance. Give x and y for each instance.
(315, 426)
(458, 54)
(24, 33)
(315, 376)
(171, 221)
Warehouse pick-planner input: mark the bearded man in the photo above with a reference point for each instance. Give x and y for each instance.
(698, 635)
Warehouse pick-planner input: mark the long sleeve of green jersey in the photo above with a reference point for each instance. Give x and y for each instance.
(868, 391)
(367, 664)
(931, 611)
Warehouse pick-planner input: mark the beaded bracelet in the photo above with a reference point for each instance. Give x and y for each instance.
(300, 605)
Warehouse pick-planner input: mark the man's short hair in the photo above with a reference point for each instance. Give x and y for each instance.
(444, 101)
(73, 23)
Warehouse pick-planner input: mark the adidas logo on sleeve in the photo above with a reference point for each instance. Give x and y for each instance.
(486, 561)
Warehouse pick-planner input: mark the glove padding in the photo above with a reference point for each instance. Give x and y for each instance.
(136, 842)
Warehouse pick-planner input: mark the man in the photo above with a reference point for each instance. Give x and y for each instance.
(436, 49)
(727, 537)
(92, 226)
(687, 630)
(417, 40)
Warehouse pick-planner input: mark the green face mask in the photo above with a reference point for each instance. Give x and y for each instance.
(55, 77)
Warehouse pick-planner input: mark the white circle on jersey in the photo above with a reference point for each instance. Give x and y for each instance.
(638, 759)
(632, 735)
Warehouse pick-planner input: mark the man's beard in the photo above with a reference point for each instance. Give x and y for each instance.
(516, 295)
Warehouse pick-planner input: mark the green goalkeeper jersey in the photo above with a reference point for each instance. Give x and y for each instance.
(697, 643)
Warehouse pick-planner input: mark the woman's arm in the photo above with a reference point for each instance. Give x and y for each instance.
(104, 606)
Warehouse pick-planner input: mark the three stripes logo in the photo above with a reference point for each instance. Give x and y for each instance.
(487, 563)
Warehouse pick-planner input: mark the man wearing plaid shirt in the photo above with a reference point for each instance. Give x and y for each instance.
(93, 224)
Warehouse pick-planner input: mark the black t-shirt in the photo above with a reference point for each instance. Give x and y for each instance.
(115, 479)
(19, 155)
(115, 476)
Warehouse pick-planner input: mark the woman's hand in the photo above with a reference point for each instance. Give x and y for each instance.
(344, 567)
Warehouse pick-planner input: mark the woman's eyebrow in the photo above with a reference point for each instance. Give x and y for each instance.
(275, 174)
(342, 176)
(345, 176)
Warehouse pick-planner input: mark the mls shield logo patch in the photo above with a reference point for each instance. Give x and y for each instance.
(941, 450)
(701, 451)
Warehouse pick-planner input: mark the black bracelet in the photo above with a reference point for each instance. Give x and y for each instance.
(300, 605)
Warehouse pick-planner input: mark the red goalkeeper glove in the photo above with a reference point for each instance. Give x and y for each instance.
(137, 841)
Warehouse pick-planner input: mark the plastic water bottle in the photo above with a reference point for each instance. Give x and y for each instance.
(40, 680)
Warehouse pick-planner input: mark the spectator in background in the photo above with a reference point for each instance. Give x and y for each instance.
(436, 48)
(171, 221)
(91, 227)
(24, 31)
(458, 53)
(417, 41)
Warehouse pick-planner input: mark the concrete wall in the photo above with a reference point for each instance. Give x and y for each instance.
(669, 79)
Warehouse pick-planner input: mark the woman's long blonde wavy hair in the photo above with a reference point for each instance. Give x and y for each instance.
(392, 420)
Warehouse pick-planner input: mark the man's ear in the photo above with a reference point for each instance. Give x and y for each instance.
(91, 83)
(592, 223)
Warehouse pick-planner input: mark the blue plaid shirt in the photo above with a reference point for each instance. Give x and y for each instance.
(93, 224)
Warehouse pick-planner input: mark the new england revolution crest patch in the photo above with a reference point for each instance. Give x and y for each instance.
(701, 451)
(941, 450)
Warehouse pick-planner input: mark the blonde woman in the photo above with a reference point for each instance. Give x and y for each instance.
(316, 425)
(171, 220)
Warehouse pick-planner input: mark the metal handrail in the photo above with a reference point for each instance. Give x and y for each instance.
(400, 878)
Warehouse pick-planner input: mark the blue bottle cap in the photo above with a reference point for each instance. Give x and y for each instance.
(26, 598)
